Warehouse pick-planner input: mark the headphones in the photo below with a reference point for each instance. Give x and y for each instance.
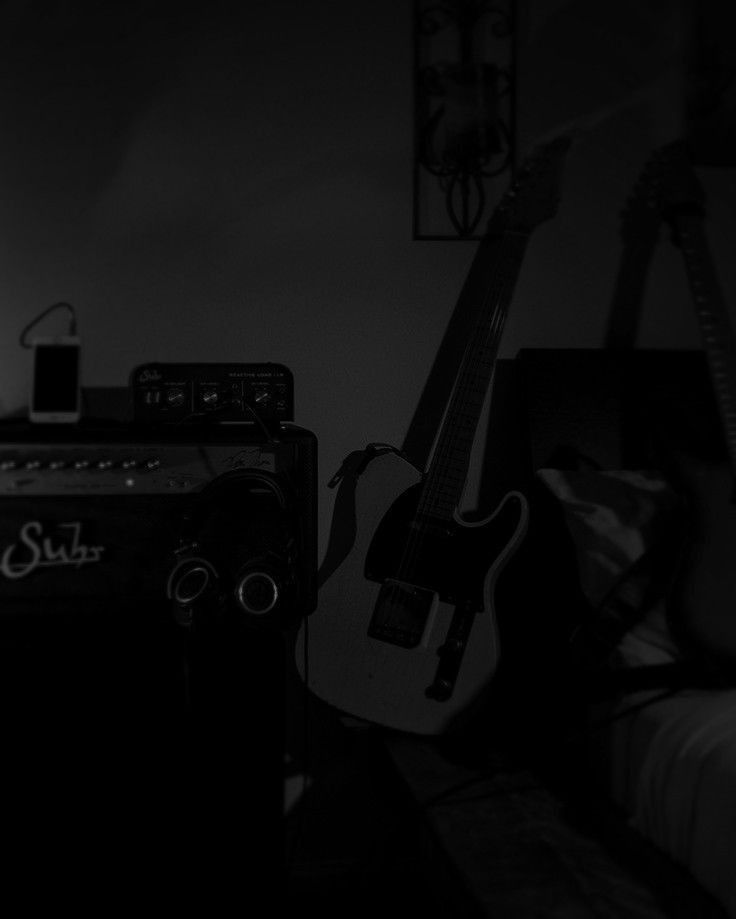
(236, 558)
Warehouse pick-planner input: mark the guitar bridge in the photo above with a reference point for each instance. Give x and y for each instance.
(451, 654)
(401, 613)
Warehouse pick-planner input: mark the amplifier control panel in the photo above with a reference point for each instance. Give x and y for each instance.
(168, 393)
(115, 469)
(124, 459)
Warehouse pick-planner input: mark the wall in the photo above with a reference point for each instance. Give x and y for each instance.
(214, 185)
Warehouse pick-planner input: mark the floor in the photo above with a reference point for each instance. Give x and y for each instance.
(396, 822)
(357, 844)
(384, 823)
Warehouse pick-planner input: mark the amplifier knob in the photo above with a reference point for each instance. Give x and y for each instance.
(81, 464)
(56, 465)
(104, 464)
(128, 464)
(7, 465)
(32, 464)
(210, 396)
(153, 463)
(175, 397)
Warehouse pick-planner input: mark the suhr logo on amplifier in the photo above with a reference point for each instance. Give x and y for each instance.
(36, 548)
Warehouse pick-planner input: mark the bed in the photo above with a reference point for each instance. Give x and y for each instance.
(663, 753)
(671, 766)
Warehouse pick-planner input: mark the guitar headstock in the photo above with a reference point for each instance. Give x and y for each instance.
(534, 193)
(680, 191)
(666, 189)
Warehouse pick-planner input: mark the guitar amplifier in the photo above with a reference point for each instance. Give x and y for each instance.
(115, 537)
(149, 579)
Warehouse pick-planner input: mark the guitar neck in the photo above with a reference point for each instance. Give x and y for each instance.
(713, 318)
(531, 199)
(445, 479)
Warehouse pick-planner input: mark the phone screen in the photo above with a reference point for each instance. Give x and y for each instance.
(56, 378)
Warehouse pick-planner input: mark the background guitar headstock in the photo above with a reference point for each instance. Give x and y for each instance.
(667, 188)
(534, 193)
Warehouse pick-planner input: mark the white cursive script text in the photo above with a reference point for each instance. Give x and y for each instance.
(34, 550)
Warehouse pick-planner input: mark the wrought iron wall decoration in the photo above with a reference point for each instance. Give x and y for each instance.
(464, 106)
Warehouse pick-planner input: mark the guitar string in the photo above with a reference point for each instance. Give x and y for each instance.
(462, 406)
(485, 339)
(485, 352)
(437, 478)
(488, 345)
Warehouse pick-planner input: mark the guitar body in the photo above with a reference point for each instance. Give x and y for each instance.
(404, 634)
(409, 656)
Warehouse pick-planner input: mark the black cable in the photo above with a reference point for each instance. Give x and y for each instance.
(303, 802)
(270, 436)
(208, 415)
(22, 340)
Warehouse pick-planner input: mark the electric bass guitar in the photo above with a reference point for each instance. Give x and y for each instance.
(404, 634)
(703, 604)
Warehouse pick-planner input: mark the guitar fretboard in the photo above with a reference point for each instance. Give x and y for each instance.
(446, 476)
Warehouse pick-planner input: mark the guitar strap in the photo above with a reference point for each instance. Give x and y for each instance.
(342, 531)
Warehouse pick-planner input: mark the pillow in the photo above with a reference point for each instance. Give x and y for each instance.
(623, 527)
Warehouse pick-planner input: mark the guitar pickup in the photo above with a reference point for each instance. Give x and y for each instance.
(401, 613)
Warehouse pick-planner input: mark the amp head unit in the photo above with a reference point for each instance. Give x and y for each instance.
(176, 393)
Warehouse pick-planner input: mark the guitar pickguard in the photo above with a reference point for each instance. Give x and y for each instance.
(420, 562)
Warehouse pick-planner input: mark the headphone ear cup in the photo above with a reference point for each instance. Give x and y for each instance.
(263, 591)
(250, 519)
(191, 582)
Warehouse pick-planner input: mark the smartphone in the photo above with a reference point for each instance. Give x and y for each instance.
(55, 394)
